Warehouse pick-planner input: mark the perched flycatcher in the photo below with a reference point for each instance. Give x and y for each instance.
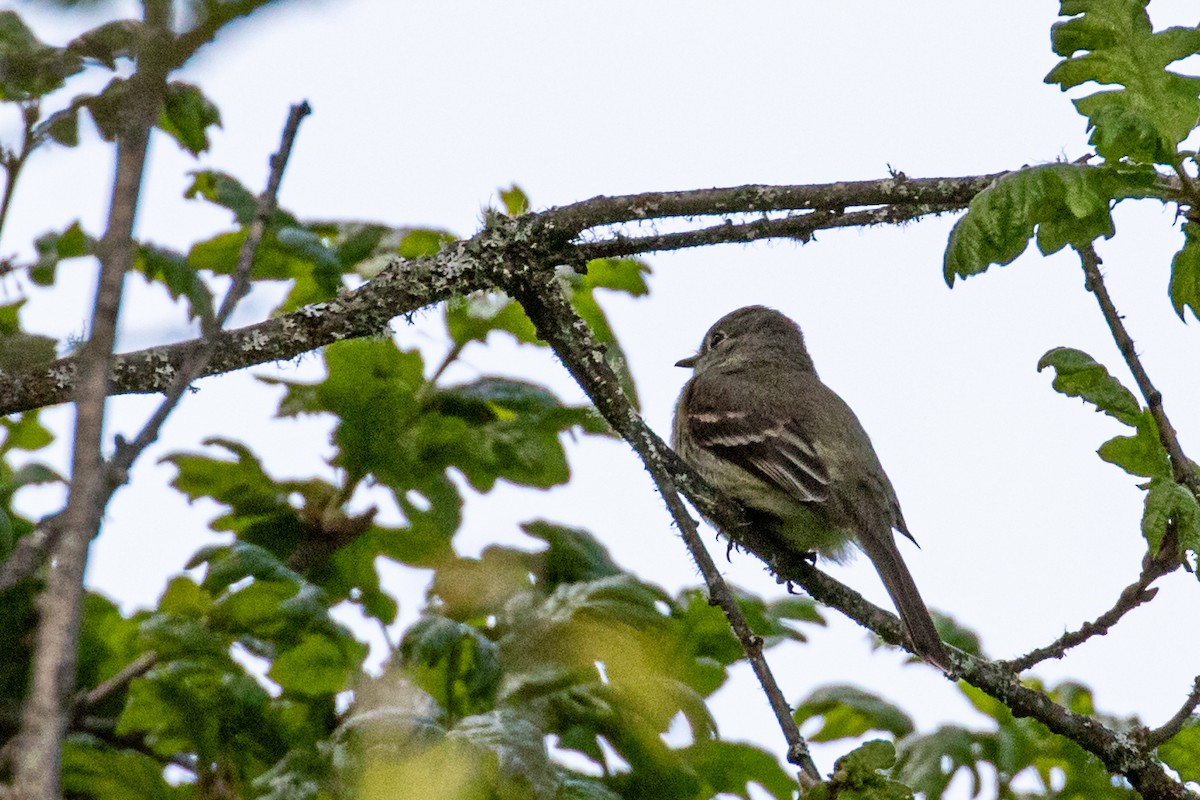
(757, 423)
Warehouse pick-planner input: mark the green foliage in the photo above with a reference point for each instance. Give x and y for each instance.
(857, 776)
(1168, 504)
(28, 68)
(1185, 272)
(849, 712)
(1156, 109)
(1182, 752)
(186, 116)
(1062, 204)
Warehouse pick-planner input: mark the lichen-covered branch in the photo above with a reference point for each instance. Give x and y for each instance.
(475, 264)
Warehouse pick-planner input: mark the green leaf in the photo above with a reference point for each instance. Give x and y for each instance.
(1184, 289)
(226, 191)
(1063, 204)
(55, 247)
(515, 201)
(317, 666)
(172, 270)
(98, 772)
(573, 555)
(1182, 752)
(108, 42)
(849, 712)
(423, 242)
(185, 598)
(730, 768)
(616, 274)
(1141, 454)
(24, 432)
(1157, 109)
(454, 663)
(523, 766)
(472, 318)
(259, 511)
(28, 68)
(929, 763)
(1079, 375)
(856, 776)
(186, 116)
(1168, 502)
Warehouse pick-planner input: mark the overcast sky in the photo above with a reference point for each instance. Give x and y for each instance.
(423, 109)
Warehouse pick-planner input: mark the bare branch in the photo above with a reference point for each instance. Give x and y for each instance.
(1175, 724)
(1132, 596)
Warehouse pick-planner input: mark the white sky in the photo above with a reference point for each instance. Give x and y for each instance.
(423, 109)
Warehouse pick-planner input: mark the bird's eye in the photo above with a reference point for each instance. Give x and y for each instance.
(716, 338)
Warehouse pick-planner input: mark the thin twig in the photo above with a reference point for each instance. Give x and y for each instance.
(798, 226)
(201, 353)
(1175, 724)
(130, 672)
(1181, 466)
(14, 162)
(554, 317)
(1132, 596)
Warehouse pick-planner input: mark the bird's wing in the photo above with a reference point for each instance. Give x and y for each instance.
(775, 451)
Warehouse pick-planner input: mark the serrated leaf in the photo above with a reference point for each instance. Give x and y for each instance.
(929, 763)
(849, 712)
(1079, 375)
(1062, 204)
(1184, 289)
(1157, 109)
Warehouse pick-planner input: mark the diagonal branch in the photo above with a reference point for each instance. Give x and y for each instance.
(1181, 465)
(1132, 596)
(1125, 753)
(1175, 724)
(550, 311)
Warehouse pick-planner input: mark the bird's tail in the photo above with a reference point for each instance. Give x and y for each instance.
(899, 582)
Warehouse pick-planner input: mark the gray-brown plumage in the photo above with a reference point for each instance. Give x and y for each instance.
(757, 423)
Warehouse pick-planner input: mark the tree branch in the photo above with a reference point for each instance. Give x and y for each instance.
(45, 715)
(1175, 724)
(1181, 465)
(474, 264)
(1126, 753)
(1132, 596)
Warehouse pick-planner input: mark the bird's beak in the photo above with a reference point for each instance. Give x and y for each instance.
(687, 362)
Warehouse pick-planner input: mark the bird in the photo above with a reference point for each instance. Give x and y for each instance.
(757, 423)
